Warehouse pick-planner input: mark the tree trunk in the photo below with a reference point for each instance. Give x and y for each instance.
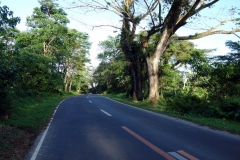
(66, 80)
(66, 86)
(152, 64)
(70, 86)
(135, 71)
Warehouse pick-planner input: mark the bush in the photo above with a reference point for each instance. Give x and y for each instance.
(6, 77)
(229, 108)
(189, 104)
(4, 101)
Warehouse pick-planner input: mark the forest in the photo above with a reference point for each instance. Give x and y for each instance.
(149, 64)
(51, 58)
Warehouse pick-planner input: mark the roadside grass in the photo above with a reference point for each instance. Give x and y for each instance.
(214, 123)
(28, 118)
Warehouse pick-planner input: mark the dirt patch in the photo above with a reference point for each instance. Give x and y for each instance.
(14, 143)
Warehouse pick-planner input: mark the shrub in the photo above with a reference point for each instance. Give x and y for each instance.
(229, 108)
(189, 104)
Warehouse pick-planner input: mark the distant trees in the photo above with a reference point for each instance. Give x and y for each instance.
(73, 65)
(111, 76)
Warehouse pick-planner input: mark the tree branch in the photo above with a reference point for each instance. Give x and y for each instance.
(106, 26)
(94, 26)
(206, 5)
(192, 11)
(204, 34)
(150, 13)
(150, 9)
(236, 35)
(96, 5)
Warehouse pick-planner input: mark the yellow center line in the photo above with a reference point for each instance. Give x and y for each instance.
(150, 145)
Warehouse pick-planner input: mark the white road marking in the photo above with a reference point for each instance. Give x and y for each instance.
(90, 101)
(35, 153)
(34, 156)
(178, 156)
(105, 112)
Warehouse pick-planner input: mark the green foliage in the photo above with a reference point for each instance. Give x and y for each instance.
(177, 55)
(211, 82)
(7, 71)
(229, 108)
(28, 117)
(213, 86)
(218, 75)
(5, 77)
(7, 20)
(47, 29)
(37, 72)
(193, 105)
(47, 58)
(187, 105)
(112, 74)
(65, 50)
(77, 48)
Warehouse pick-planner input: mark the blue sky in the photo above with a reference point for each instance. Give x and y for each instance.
(24, 8)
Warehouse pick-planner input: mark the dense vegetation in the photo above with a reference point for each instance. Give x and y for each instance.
(46, 58)
(190, 82)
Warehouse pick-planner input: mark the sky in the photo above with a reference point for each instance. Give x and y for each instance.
(24, 8)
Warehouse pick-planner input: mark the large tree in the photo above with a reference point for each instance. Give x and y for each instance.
(61, 51)
(46, 29)
(164, 18)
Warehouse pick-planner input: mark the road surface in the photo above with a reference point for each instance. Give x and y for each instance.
(92, 127)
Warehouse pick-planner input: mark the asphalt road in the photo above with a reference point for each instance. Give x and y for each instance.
(92, 127)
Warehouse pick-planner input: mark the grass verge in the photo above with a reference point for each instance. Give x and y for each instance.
(29, 116)
(214, 123)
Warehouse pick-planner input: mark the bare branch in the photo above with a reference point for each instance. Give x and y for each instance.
(94, 26)
(203, 6)
(204, 34)
(106, 26)
(236, 35)
(150, 9)
(192, 11)
(96, 5)
(150, 13)
(221, 23)
(187, 13)
(160, 12)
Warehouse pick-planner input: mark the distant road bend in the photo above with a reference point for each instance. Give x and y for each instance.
(92, 127)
